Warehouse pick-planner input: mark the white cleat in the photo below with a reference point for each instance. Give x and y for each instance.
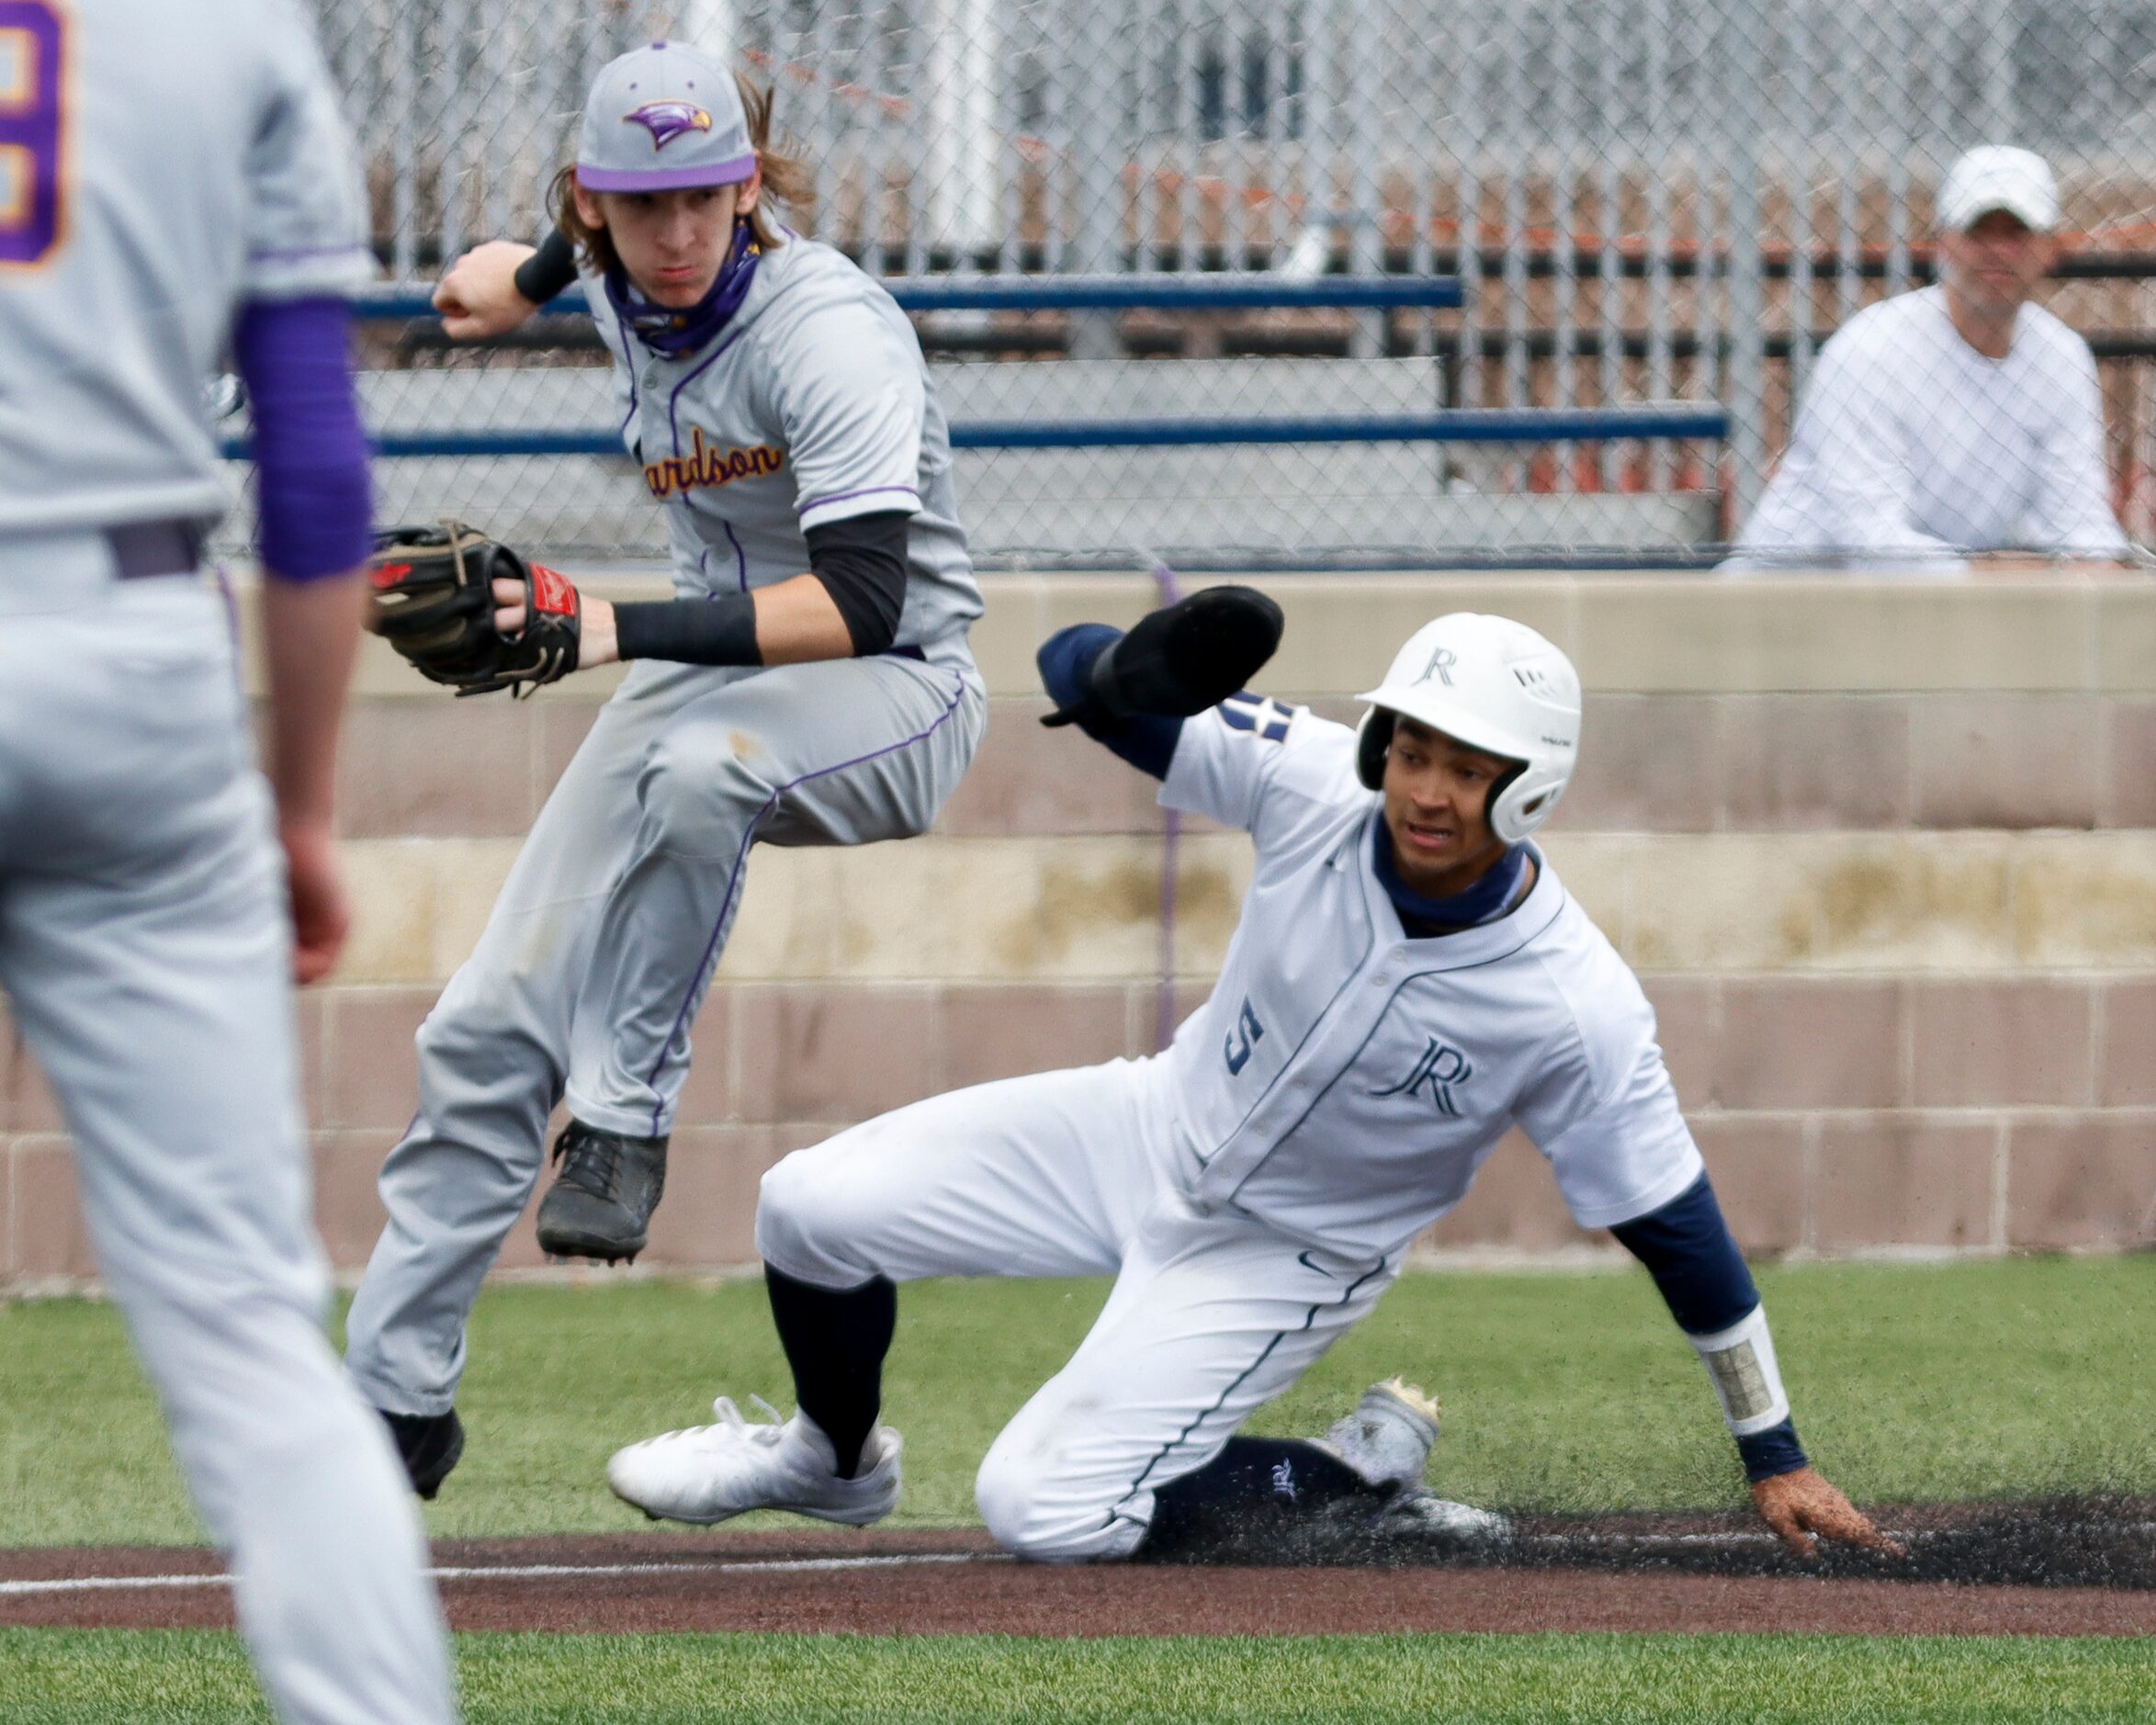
(709, 1474)
(1387, 1439)
(1417, 1512)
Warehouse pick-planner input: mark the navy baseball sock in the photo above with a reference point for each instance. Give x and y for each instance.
(836, 1342)
(1283, 1478)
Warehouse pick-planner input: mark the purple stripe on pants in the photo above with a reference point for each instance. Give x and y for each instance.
(733, 884)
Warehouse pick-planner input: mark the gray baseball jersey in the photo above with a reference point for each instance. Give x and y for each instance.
(814, 406)
(188, 156)
(160, 161)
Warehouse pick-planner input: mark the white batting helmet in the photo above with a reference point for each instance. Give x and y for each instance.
(1494, 685)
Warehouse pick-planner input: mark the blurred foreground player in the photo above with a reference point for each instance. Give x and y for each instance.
(1408, 980)
(182, 183)
(1958, 418)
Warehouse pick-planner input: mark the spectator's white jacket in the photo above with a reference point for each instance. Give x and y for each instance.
(1344, 1082)
(1911, 447)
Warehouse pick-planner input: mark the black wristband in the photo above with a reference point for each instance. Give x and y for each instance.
(548, 270)
(719, 631)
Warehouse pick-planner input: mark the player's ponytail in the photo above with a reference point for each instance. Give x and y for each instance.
(594, 246)
(786, 176)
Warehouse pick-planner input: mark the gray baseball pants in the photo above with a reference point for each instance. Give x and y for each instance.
(146, 953)
(604, 942)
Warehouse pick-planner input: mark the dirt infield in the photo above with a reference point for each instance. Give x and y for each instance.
(1693, 1574)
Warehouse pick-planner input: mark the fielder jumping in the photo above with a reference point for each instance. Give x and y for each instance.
(1409, 979)
(809, 684)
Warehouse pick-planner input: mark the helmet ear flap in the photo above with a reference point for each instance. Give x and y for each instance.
(1500, 810)
(1373, 736)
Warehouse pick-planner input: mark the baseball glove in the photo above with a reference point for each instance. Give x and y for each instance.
(434, 602)
(1182, 659)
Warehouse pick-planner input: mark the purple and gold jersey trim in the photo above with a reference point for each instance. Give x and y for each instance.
(706, 466)
(33, 79)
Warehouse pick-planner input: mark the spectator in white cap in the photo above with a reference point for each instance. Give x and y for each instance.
(1955, 419)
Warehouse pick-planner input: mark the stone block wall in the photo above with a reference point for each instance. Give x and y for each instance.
(1883, 854)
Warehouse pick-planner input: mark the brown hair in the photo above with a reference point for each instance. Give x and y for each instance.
(786, 177)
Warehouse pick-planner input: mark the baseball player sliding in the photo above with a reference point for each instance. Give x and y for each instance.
(175, 183)
(1408, 980)
(810, 683)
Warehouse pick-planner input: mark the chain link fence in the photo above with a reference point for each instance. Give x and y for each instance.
(1643, 202)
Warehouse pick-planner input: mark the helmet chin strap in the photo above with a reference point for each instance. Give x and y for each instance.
(675, 332)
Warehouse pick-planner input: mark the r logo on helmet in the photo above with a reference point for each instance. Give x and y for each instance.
(1441, 667)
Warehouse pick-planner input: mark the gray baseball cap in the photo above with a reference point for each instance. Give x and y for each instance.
(660, 119)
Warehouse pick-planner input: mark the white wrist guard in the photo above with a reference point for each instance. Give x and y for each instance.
(1740, 1364)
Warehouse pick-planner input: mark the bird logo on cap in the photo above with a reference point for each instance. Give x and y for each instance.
(668, 119)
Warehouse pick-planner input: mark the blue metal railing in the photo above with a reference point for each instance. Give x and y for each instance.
(1094, 293)
(1460, 425)
(1253, 291)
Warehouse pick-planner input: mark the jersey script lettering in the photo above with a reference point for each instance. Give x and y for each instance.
(1242, 1040)
(705, 466)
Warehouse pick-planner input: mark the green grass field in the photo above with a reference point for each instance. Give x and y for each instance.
(1910, 1382)
(168, 1678)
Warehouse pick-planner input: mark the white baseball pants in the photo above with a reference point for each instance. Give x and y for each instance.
(145, 953)
(1072, 1174)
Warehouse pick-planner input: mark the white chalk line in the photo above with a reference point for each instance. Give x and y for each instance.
(1760, 1535)
(526, 1571)
(1608, 1539)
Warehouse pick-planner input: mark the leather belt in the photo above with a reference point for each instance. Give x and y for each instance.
(144, 549)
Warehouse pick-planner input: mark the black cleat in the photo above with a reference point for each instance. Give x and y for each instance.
(601, 1204)
(430, 1445)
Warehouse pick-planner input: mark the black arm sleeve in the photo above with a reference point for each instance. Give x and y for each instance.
(862, 563)
(720, 631)
(549, 270)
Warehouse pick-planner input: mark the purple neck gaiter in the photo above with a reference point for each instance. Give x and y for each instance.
(674, 332)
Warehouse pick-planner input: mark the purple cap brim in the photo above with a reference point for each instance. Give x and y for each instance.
(729, 173)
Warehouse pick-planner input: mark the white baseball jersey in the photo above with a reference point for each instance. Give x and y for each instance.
(194, 159)
(1911, 447)
(1344, 1082)
(1251, 1190)
(812, 406)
